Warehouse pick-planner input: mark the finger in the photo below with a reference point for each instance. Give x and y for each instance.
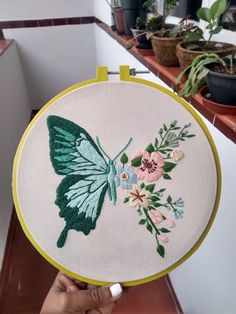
(64, 283)
(95, 298)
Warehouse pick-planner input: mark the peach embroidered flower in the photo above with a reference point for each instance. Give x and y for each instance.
(151, 167)
(155, 216)
(138, 196)
(169, 223)
(163, 238)
(177, 154)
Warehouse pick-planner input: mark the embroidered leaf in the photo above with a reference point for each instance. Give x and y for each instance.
(142, 185)
(124, 159)
(164, 230)
(150, 187)
(166, 176)
(161, 191)
(161, 250)
(142, 221)
(80, 200)
(150, 149)
(136, 162)
(126, 200)
(149, 227)
(165, 127)
(168, 166)
(154, 198)
(157, 204)
(190, 135)
(156, 142)
(169, 199)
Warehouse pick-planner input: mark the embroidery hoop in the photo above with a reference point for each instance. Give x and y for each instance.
(102, 76)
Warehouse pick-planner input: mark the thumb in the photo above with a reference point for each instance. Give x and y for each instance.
(84, 300)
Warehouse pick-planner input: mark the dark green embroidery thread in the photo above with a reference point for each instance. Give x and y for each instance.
(89, 176)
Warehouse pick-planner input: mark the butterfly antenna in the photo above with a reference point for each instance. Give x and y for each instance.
(99, 145)
(123, 149)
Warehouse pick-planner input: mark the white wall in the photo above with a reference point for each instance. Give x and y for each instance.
(34, 9)
(15, 112)
(205, 284)
(54, 58)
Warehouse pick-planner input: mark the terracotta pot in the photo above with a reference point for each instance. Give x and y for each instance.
(165, 50)
(119, 20)
(186, 56)
(214, 106)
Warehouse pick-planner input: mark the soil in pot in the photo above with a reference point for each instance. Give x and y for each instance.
(186, 56)
(222, 84)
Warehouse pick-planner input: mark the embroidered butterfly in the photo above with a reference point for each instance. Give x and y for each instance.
(88, 175)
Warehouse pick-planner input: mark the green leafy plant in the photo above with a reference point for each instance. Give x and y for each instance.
(211, 16)
(198, 71)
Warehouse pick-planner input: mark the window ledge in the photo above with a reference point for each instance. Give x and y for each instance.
(4, 44)
(226, 124)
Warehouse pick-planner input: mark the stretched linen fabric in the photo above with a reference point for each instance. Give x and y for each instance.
(116, 182)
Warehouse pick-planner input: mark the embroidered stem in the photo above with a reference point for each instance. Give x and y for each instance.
(123, 149)
(151, 222)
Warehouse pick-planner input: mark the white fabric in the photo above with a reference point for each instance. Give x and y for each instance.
(119, 249)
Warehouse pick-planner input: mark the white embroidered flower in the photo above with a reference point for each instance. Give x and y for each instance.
(177, 154)
(138, 196)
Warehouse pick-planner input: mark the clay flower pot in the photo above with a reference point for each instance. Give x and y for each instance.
(165, 50)
(186, 55)
(214, 106)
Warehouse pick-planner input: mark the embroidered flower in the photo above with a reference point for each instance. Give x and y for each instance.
(155, 216)
(179, 202)
(177, 154)
(151, 166)
(125, 177)
(172, 140)
(138, 196)
(163, 238)
(178, 214)
(169, 223)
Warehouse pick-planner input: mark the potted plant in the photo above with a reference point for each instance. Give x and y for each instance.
(218, 73)
(165, 41)
(195, 43)
(155, 28)
(117, 13)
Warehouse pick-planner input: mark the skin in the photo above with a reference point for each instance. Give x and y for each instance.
(71, 296)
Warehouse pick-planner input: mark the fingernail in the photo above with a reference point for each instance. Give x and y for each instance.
(116, 290)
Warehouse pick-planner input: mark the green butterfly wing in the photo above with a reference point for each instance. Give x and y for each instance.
(72, 150)
(81, 193)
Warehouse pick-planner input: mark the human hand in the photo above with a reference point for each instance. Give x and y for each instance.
(68, 295)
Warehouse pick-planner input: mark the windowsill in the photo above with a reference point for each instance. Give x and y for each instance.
(226, 124)
(4, 44)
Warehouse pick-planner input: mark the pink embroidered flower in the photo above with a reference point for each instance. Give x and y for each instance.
(155, 216)
(151, 167)
(163, 238)
(138, 196)
(169, 223)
